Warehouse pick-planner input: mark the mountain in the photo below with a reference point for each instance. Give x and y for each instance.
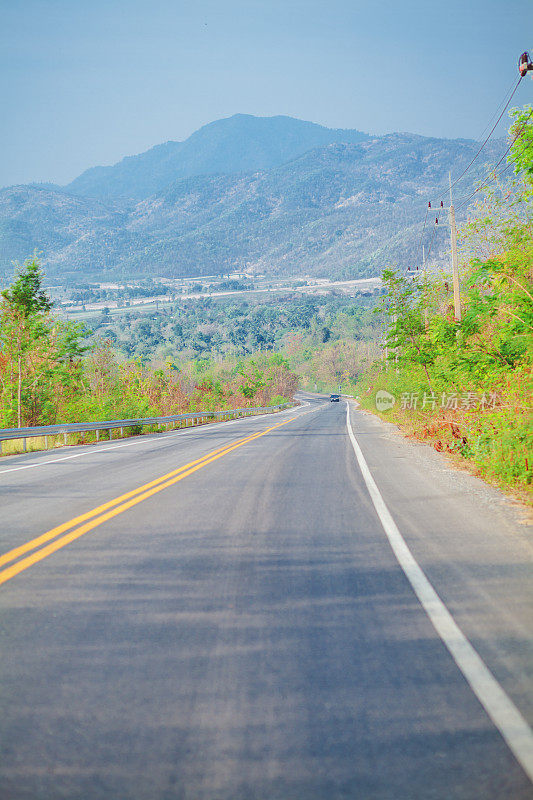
(338, 209)
(343, 209)
(241, 143)
(57, 225)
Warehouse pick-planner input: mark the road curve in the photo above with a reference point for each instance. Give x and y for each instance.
(217, 614)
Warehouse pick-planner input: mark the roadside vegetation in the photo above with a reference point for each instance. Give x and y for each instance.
(466, 387)
(51, 372)
(209, 354)
(326, 340)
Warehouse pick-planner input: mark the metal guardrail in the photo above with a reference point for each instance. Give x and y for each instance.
(7, 434)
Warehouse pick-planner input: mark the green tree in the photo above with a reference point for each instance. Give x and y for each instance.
(39, 355)
(521, 153)
(26, 293)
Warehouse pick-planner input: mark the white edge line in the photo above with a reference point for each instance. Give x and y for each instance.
(91, 450)
(498, 705)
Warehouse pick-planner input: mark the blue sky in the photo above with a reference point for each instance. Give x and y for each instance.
(86, 83)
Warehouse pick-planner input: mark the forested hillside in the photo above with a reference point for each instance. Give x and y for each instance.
(342, 209)
(326, 339)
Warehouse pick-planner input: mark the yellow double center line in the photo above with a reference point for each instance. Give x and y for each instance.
(73, 529)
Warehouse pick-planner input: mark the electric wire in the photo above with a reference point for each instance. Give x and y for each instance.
(506, 101)
(432, 240)
(463, 173)
(502, 172)
(424, 228)
(484, 185)
(494, 175)
(497, 109)
(435, 226)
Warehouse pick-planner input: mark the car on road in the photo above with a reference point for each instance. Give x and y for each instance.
(334, 398)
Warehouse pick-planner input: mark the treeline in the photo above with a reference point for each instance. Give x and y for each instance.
(467, 386)
(93, 293)
(235, 328)
(49, 372)
(332, 355)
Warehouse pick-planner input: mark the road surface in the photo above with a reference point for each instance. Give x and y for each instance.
(218, 614)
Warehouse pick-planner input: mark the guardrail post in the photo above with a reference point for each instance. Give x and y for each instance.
(65, 438)
(122, 432)
(24, 445)
(46, 442)
(97, 435)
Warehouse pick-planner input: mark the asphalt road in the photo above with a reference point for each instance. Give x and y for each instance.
(242, 630)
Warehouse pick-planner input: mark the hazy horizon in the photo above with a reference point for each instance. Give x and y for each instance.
(156, 144)
(86, 84)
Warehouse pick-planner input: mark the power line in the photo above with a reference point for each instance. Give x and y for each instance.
(424, 228)
(432, 240)
(497, 109)
(506, 100)
(508, 96)
(484, 185)
(508, 166)
(430, 244)
(518, 133)
(463, 173)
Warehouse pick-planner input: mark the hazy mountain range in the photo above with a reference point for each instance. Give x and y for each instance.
(274, 194)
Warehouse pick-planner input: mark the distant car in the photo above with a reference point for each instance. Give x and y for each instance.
(334, 398)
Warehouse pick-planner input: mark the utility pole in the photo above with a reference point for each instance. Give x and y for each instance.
(395, 320)
(455, 265)
(424, 267)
